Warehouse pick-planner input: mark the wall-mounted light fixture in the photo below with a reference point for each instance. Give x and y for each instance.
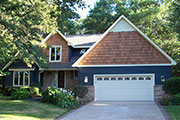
(85, 79)
(163, 79)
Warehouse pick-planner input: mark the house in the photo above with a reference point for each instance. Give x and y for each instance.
(120, 64)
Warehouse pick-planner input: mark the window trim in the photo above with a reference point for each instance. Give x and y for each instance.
(55, 46)
(19, 79)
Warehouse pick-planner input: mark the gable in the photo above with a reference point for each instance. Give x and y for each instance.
(123, 44)
(124, 48)
(56, 40)
(122, 26)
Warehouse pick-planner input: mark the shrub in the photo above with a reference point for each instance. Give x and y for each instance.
(80, 91)
(34, 91)
(165, 101)
(61, 98)
(172, 86)
(176, 99)
(7, 91)
(20, 93)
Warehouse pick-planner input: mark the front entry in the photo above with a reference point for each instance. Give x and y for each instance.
(60, 79)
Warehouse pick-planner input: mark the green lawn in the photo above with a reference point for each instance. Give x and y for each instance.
(28, 110)
(173, 111)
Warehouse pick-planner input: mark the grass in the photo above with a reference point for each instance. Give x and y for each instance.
(173, 111)
(28, 110)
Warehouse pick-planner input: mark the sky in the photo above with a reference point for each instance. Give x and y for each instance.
(83, 13)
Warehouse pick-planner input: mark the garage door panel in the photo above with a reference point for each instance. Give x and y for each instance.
(124, 89)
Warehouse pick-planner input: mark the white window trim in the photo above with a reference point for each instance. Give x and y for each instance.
(19, 79)
(55, 46)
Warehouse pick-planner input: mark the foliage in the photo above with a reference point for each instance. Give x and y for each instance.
(7, 91)
(22, 23)
(34, 91)
(28, 110)
(59, 97)
(176, 99)
(159, 20)
(80, 91)
(173, 111)
(165, 101)
(172, 86)
(20, 93)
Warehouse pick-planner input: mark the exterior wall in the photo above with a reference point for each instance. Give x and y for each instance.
(48, 79)
(122, 26)
(158, 71)
(34, 75)
(70, 83)
(158, 92)
(124, 48)
(58, 40)
(90, 71)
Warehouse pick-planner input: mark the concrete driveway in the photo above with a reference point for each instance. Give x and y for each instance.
(111, 110)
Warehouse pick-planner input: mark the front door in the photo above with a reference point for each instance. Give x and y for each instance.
(60, 79)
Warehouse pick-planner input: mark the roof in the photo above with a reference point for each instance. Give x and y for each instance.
(62, 66)
(77, 41)
(77, 63)
(86, 40)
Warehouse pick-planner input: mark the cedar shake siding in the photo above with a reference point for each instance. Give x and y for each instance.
(58, 40)
(124, 48)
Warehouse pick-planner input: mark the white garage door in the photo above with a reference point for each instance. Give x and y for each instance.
(124, 87)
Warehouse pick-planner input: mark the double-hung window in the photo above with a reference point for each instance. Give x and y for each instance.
(21, 78)
(55, 53)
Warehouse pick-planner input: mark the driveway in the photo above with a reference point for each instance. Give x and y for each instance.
(111, 110)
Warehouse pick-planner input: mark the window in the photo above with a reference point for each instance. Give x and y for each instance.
(106, 78)
(113, 78)
(55, 53)
(21, 78)
(134, 78)
(148, 78)
(120, 78)
(141, 78)
(99, 78)
(126, 78)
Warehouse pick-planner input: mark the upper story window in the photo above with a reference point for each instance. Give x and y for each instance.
(55, 53)
(21, 78)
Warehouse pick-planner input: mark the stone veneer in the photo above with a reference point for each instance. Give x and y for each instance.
(91, 93)
(158, 92)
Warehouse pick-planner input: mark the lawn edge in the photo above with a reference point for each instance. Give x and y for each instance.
(73, 110)
(163, 111)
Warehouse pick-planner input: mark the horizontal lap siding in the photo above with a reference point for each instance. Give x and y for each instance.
(124, 48)
(90, 71)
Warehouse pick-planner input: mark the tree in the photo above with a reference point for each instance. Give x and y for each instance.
(22, 22)
(151, 16)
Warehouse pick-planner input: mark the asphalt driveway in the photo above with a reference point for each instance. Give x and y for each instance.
(111, 110)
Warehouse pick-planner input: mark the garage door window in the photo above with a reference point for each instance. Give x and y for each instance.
(141, 78)
(106, 78)
(148, 78)
(113, 78)
(127, 78)
(134, 78)
(99, 78)
(120, 78)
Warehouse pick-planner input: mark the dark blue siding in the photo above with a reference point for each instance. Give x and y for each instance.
(90, 71)
(34, 75)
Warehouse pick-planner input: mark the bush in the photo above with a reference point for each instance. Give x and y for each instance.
(80, 91)
(34, 91)
(172, 86)
(176, 99)
(20, 93)
(61, 98)
(7, 91)
(165, 101)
